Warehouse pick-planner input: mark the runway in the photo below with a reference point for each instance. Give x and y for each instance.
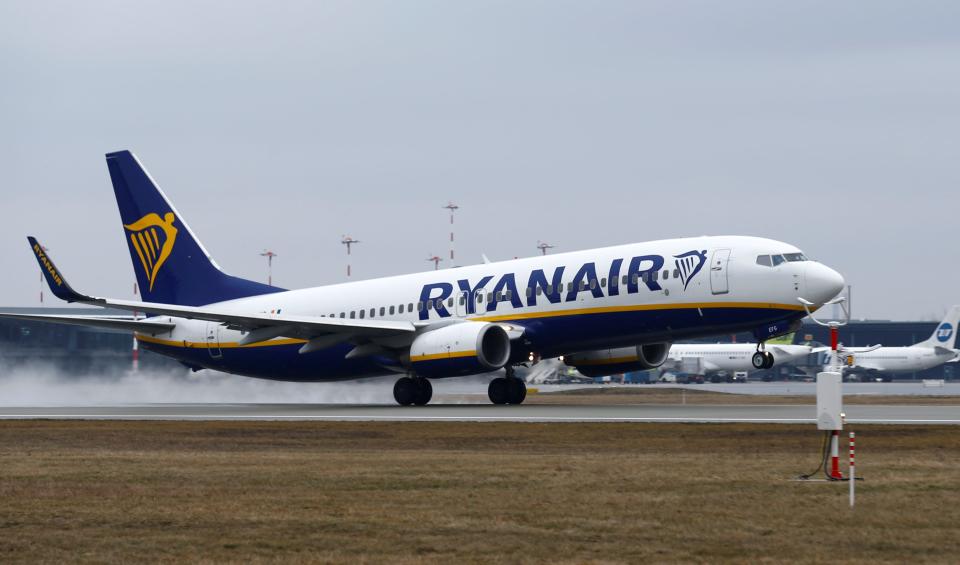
(785, 414)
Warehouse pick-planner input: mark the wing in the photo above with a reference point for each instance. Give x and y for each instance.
(151, 327)
(261, 327)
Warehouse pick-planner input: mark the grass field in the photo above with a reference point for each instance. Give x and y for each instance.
(466, 492)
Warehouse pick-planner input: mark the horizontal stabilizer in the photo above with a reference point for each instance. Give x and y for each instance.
(108, 322)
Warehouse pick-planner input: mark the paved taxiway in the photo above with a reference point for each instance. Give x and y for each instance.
(862, 414)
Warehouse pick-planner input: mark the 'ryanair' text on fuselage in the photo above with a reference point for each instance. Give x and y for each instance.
(639, 270)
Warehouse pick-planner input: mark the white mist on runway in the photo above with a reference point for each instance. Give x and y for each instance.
(40, 385)
(45, 386)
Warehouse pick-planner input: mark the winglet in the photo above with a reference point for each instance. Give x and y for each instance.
(57, 283)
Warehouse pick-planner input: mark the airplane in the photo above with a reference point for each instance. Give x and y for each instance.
(437, 324)
(883, 362)
(733, 357)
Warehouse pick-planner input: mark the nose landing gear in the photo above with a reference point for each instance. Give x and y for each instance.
(507, 390)
(762, 359)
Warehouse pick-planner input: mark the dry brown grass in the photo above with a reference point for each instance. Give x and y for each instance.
(652, 394)
(467, 492)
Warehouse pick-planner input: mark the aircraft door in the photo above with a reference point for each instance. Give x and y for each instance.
(479, 305)
(719, 282)
(461, 304)
(213, 340)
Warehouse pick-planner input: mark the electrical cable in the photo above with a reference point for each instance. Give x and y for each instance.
(823, 460)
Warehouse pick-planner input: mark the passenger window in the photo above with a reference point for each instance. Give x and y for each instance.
(373, 312)
(569, 287)
(549, 289)
(420, 306)
(778, 260)
(529, 292)
(383, 310)
(489, 297)
(499, 296)
(764, 260)
(353, 314)
(646, 277)
(634, 278)
(362, 312)
(450, 302)
(603, 282)
(540, 290)
(410, 307)
(593, 284)
(343, 315)
(666, 275)
(401, 308)
(655, 274)
(392, 310)
(625, 279)
(676, 273)
(583, 285)
(462, 300)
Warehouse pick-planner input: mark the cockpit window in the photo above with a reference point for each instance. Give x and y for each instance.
(778, 260)
(764, 260)
(795, 257)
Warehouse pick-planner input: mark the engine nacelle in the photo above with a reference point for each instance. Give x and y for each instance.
(603, 362)
(467, 348)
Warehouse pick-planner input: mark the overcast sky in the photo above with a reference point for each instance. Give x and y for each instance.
(284, 125)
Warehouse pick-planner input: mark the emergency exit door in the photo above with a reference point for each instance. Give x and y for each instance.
(213, 340)
(719, 283)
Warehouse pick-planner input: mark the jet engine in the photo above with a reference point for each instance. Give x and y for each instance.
(466, 348)
(603, 362)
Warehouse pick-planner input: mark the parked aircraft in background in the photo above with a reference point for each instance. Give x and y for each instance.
(706, 358)
(461, 321)
(884, 362)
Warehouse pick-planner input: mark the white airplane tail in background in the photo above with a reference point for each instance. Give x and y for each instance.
(946, 333)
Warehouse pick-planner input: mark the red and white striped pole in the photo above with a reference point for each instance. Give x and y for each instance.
(852, 472)
(835, 455)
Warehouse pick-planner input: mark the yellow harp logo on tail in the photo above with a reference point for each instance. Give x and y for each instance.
(152, 238)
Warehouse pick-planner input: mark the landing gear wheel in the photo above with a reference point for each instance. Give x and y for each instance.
(759, 360)
(768, 360)
(498, 391)
(516, 391)
(405, 391)
(424, 391)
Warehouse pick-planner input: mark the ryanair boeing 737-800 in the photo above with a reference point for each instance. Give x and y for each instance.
(461, 321)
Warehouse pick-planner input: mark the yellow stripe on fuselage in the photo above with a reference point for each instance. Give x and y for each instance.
(214, 345)
(638, 308)
(503, 318)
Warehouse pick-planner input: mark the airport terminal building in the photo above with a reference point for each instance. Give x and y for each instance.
(92, 351)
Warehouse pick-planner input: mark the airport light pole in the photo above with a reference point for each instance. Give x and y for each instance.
(436, 261)
(269, 255)
(543, 246)
(453, 208)
(348, 241)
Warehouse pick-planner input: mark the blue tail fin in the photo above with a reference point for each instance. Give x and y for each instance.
(172, 266)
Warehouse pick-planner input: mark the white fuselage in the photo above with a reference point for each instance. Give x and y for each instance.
(638, 293)
(898, 359)
(732, 357)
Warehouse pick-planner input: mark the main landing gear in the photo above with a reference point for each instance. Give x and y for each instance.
(762, 359)
(507, 390)
(412, 390)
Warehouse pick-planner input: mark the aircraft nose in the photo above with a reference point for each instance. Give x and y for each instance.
(823, 283)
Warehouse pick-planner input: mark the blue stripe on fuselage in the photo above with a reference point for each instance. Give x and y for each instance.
(549, 336)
